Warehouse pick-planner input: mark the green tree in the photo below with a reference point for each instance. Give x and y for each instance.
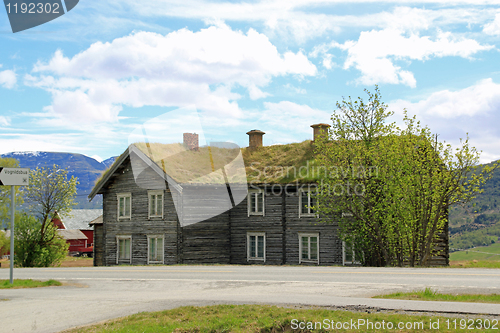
(5, 193)
(391, 188)
(4, 243)
(49, 191)
(36, 249)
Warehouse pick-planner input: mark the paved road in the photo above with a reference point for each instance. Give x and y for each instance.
(99, 293)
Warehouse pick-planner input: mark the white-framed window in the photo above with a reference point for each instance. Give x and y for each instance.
(256, 246)
(308, 248)
(155, 249)
(155, 204)
(307, 200)
(256, 202)
(124, 205)
(123, 249)
(349, 254)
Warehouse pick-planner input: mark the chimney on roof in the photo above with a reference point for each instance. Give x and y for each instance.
(255, 139)
(320, 130)
(190, 141)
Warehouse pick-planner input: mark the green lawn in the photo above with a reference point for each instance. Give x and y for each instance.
(491, 252)
(430, 295)
(272, 319)
(5, 284)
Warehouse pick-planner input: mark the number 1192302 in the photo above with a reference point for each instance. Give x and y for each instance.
(33, 8)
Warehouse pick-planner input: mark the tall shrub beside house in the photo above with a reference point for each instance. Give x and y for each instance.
(36, 249)
(391, 187)
(38, 243)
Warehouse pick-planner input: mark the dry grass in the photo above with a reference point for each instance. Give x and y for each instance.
(68, 262)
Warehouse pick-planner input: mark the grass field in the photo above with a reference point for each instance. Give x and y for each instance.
(19, 284)
(430, 295)
(491, 252)
(272, 319)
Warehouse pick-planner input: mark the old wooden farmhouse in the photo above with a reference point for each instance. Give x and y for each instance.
(157, 210)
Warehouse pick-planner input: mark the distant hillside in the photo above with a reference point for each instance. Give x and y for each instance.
(478, 222)
(85, 168)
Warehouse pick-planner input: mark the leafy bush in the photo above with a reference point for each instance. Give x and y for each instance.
(37, 247)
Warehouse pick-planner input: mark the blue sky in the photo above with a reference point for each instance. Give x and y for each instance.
(84, 82)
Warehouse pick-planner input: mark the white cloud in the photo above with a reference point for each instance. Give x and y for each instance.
(300, 21)
(32, 142)
(178, 69)
(290, 122)
(296, 90)
(375, 52)
(480, 99)
(453, 114)
(493, 28)
(4, 121)
(8, 78)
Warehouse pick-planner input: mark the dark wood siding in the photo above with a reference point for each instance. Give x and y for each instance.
(219, 238)
(98, 245)
(330, 245)
(139, 226)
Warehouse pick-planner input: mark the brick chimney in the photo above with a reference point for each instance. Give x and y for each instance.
(320, 129)
(255, 139)
(191, 141)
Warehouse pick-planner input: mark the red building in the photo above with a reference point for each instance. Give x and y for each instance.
(75, 229)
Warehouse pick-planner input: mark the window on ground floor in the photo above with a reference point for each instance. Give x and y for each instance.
(155, 249)
(349, 254)
(256, 246)
(124, 249)
(308, 248)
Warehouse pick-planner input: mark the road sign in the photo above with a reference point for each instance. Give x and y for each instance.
(14, 176)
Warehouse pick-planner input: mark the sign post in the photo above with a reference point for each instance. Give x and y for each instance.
(13, 177)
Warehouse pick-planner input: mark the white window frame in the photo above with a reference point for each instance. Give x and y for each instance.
(308, 235)
(251, 210)
(155, 194)
(344, 261)
(118, 239)
(256, 234)
(150, 237)
(309, 214)
(118, 197)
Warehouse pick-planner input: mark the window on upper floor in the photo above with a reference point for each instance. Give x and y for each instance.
(256, 246)
(308, 248)
(256, 202)
(155, 204)
(124, 205)
(307, 200)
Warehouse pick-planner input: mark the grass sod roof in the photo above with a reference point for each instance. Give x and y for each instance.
(277, 164)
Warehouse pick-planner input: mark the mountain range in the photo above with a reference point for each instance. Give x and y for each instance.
(85, 168)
